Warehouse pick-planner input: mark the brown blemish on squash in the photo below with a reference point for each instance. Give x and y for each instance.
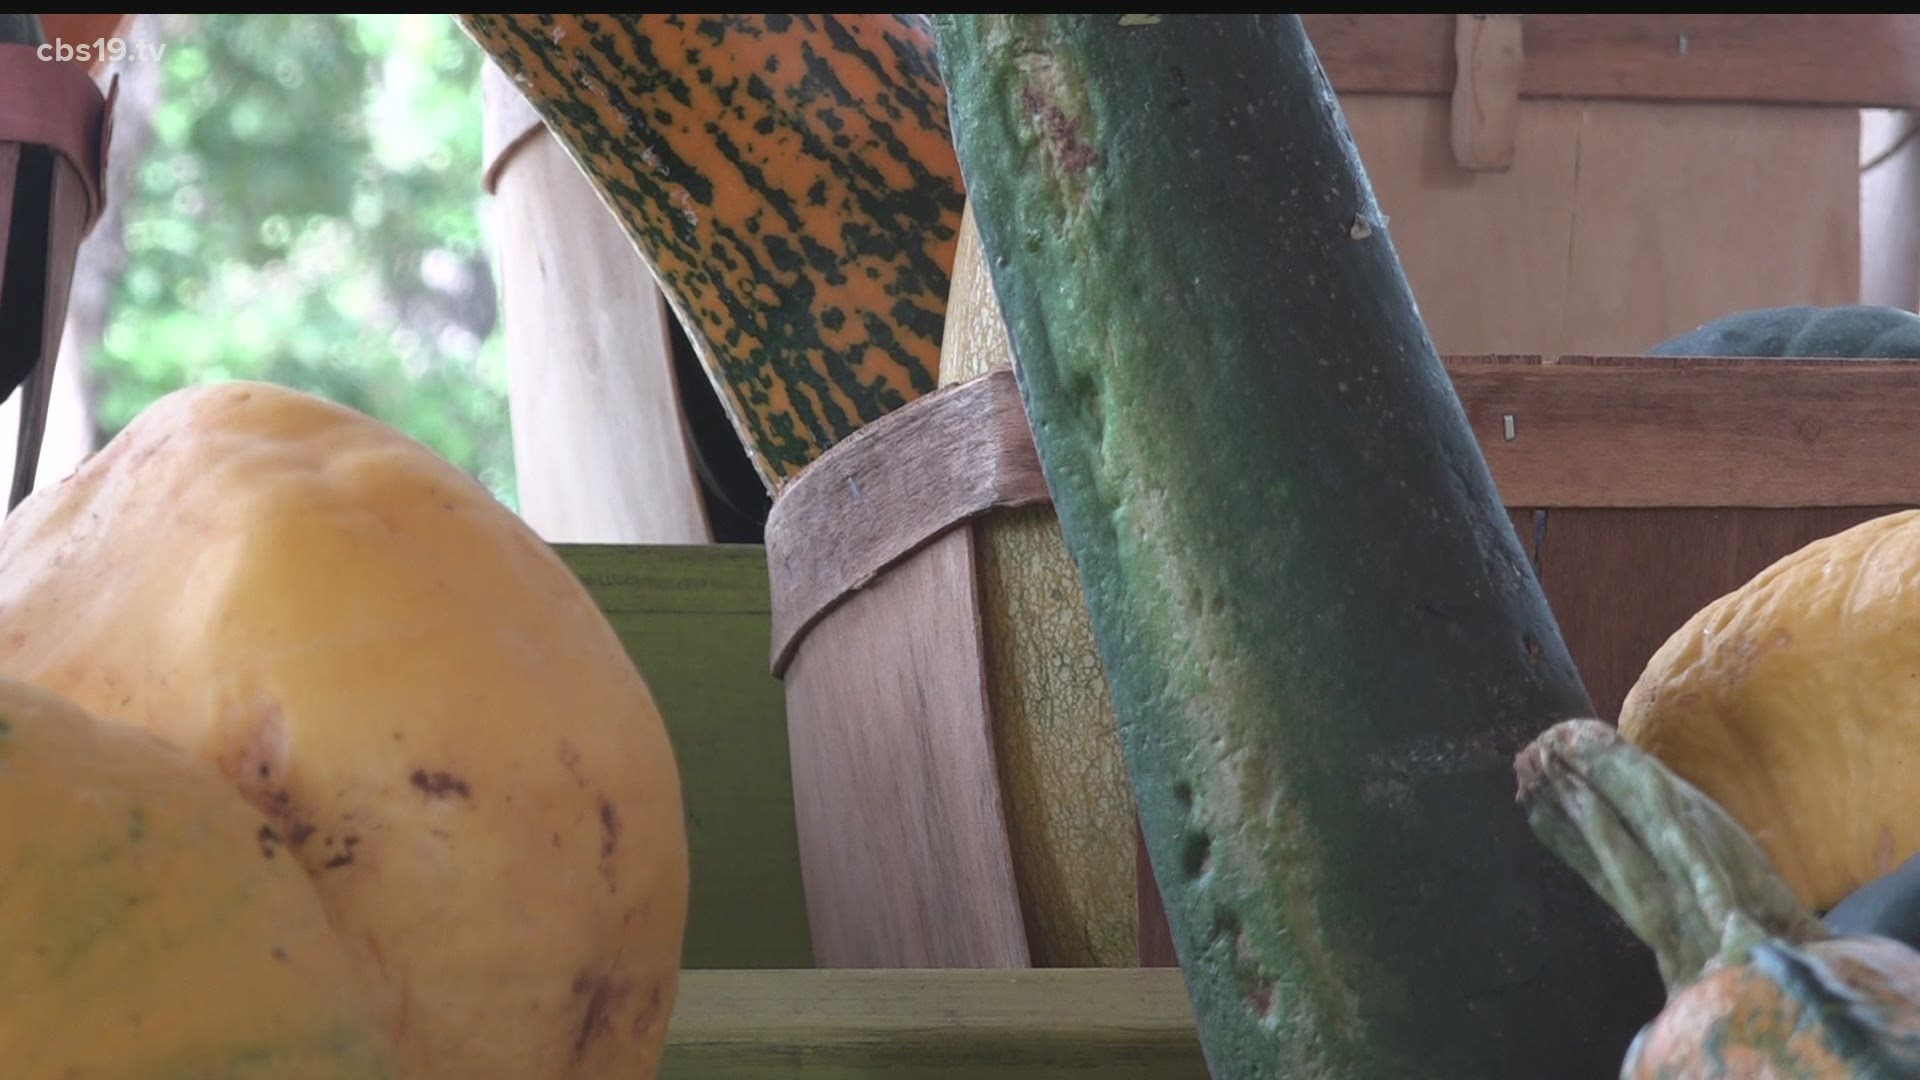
(609, 841)
(603, 996)
(256, 763)
(1071, 151)
(259, 753)
(648, 1014)
(343, 857)
(439, 784)
(570, 757)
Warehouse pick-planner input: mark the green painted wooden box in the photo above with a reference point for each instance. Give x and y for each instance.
(752, 1007)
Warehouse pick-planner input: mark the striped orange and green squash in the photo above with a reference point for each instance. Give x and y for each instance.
(1759, 989)
(791, 182)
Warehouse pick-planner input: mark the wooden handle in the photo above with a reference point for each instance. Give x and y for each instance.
(1486, 90)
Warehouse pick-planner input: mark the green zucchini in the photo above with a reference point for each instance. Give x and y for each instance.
(1324, 641)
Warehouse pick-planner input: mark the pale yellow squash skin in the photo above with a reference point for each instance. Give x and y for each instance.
(1070, 812)
(1794, 702)
(144, 933)
(445, 730)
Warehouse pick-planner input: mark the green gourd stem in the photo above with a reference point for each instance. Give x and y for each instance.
(1324, 641)
(21, 30)
(1692, 883)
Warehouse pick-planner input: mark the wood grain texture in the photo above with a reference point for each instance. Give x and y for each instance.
(889, 488)
(1629, 431)
(1488, 59)
(600, 447)
(1622, 581)
(694, 619)
(933, 1025)
(1825, 59)
(1070, 814)
(903, 838)
(1583, 246)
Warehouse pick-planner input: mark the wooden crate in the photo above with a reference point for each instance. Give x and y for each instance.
(1597, 183)
(1611, 181)
(1641, 488)
(696, 621)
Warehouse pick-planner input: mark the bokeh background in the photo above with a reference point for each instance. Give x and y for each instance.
(294, 198)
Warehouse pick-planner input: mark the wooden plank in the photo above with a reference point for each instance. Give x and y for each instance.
(694, 619)
(903, 836)
(1034, 1024)
(1618, 224)
(1620, 582)
(1685, 214)
(1638, 432)
(1799, 59)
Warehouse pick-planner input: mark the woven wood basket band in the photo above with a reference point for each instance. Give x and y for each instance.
(889, 489)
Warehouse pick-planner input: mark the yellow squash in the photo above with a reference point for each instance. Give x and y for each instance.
(443, 728)
(1794, 702)
(145, 931)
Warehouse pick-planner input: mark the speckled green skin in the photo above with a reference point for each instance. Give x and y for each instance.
(1324, 640)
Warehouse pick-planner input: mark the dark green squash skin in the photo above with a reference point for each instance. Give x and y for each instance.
(1324, 640)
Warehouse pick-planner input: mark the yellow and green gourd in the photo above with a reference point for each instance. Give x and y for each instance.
(1063, 780)
(792, 184)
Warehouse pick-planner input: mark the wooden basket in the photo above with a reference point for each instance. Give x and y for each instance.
(1641, 488)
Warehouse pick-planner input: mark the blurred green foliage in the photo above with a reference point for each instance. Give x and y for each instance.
(309, 215)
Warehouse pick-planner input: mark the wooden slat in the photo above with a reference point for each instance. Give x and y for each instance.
(903, 834)
(1842, 60)
(1638, 432)
(695, 619)
(1036, 1024)
(1580, 246)
(889, 488)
